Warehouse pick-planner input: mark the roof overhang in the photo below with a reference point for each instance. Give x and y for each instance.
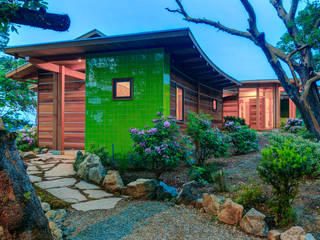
(185, 52)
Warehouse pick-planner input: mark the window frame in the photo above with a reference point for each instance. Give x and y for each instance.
(114, 88)
(216, 101)
(182, 88)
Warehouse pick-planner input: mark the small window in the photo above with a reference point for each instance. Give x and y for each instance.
(179, 104)
(214, 105)
(122, 89)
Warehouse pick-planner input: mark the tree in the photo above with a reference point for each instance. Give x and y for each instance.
(16, 99)
(300, 57)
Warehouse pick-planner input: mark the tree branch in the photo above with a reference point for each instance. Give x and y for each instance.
(293, 10)
(215, 24)
(252, 18)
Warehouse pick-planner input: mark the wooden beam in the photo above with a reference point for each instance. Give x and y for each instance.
(257, 108)
(55, 112)
(61, 103)
(56, 68)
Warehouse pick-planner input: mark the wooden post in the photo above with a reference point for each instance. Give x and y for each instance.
(292, 109)
(55, 112)
(38, 112)
(61, 103)
(198, 99)
(257, 109)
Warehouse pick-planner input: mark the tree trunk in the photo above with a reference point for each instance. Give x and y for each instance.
(21, 215)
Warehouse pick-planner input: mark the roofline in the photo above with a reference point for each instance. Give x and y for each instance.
(261, 81)
(18, 69)
(93, 31)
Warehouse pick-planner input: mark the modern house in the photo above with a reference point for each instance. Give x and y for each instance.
(262, 103)
(91, 90)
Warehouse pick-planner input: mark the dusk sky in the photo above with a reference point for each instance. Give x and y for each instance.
(238, 57)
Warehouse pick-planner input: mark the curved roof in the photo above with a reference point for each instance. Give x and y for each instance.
(186, 54)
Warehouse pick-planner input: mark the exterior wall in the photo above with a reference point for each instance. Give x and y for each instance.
(230, 104)
(108, 121)
(196, 98)
(74, 111)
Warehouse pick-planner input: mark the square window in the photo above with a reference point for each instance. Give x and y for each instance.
(122, 89)
(214, 105)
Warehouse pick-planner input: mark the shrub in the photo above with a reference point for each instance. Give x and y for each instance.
(301, 146)
(209, 142)
(283, 168)
(162, 146)
(27, 139)
(293, 122)
(239, 120)
(101, 152)
(250, 195)
(243, 138)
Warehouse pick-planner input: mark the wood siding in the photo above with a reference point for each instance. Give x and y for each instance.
(74, 111)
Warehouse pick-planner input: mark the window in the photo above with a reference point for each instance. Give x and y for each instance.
(122, 89)
(214, 105)
(179, 103)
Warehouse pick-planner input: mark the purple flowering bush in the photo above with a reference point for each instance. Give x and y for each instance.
(293, 122)
(209, 142)
(27, 139)
(162, 146)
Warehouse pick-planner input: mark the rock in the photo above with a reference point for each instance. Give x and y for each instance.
(91, 169)
(56, 216)
(189, 193)
(44, 151)
(28, 155)
(253, 223)
(168, 189)
(212, 204)
(231, 212)
(307, 237)
(198, 204)
(21, 214)
(55, 152)
(45, 206)
(274, 234)
(113, 182)
(52, 226)
(293, 233)
(57, 234)
(142, 188)
(163, 191)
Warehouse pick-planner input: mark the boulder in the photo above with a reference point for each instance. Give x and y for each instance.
(28, 155)
(163, 191)
(212, 204)
(56, 216)
(44, 151)
(293, 233)
(45, 207)
(308, 236)
(142, 189)
(189, 193)
(253, 223)
(91, 169)
(198, 204)
(113, 182)
(231, 212)
(274, 234)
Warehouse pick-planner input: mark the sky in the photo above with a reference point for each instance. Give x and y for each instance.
(236, 56)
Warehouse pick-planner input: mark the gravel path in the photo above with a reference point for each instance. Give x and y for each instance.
(133, 220)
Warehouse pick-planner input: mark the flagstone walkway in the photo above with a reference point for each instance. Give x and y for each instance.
(54, 173)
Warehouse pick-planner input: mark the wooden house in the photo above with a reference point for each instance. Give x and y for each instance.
(262, 103)
(91, 90)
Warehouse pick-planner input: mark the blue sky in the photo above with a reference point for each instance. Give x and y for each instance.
(238, 57)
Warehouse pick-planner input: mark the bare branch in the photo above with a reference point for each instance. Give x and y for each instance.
(215, 24)
(252, 18)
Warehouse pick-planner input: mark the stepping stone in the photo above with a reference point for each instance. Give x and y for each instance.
(32, 168)
(84, 185)
(67, 194)
(105, 203)
(34, 179)
(33, 172)
(46, 166)
(61, 170)
(63, 182)
(97, 193)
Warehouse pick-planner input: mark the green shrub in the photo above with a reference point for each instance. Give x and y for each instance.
(306, 134)
(284, 168)
(239, 120)
(302, 146)
(161, 147)
(101, 152)
(250, 195)
(209, 142)
(243, 138)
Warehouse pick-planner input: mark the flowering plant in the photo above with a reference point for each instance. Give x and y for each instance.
(230, 126)
(162, 146)
(293, 122)
(27, 138)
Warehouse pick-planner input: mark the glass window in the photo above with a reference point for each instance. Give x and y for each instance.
(214, 105)
(179, 103)
(122, 88)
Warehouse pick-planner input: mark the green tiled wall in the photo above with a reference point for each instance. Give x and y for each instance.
(108, 121)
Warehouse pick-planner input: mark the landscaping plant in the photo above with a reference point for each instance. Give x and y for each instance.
(239, 120)
(27, 139)
(209, 142)
(243, 138)
(162, 146)
(283, 167)
(250, 195)
(293, 122)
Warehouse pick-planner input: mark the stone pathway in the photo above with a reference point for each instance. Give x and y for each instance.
(55, 174)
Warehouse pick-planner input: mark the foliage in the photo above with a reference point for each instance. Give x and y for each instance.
(201, 174)
(243, 138)
(306, 134)
(162, 146)
(303, 146)
(305, 22)
(101, 152)
(284, 168)
(293, 122)
(16, 100)
(250, 195)
(239, 120)
(209, 142)
(27, 139)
